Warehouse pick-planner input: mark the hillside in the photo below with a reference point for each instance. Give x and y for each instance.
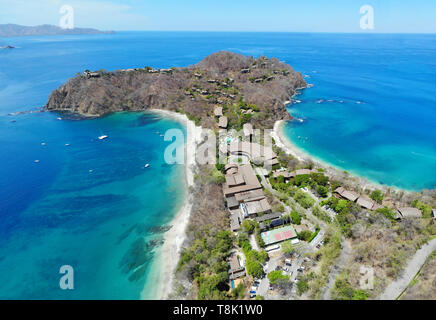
(248, 89)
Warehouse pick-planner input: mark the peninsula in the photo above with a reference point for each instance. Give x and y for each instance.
(293, 229)
(15, 30)
(248, 89)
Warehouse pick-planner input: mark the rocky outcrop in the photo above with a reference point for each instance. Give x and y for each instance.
(223, 78)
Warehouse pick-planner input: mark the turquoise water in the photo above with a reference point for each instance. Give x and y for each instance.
(90, 205)
(56, 212)
(372, 110)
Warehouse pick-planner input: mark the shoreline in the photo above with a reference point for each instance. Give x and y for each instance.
(289, 147)
(175, 237)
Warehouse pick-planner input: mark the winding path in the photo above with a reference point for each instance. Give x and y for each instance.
(400, 284)
(336, 270)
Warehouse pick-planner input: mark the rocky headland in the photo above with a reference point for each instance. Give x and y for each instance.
(248, 90)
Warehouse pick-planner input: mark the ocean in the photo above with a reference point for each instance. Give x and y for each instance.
(91, 204)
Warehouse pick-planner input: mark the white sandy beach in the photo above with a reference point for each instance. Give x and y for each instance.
(170, 251)
(287, 146)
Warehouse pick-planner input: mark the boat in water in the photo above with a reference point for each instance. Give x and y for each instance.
(103, 137)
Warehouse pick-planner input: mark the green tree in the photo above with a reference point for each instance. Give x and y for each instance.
(254, 268)
(295, 217)
(377, 196)
(322, 191)
(248, 225)
(287, 248)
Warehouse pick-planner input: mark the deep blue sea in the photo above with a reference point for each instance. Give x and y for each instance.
(91, 204)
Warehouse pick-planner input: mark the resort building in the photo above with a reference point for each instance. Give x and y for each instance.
(218, 112)
(243, 193)
(367, 203)
(222, 122)
(347, 195)
(409, 212)
(434, 213)
(242, 179)
(279, 235)
(251, 150)
(275, 218)
(300, 172)
(235, 269)
(285, 174)
(89, 74)
(250, 209)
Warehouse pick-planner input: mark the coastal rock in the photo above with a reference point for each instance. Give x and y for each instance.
(182, 90)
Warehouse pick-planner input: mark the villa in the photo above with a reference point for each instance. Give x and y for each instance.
(409, 212)
(223, 122)
(89, 74)
(347, 195)
(367, 203)
(300, 172)
(235, 269)
(285, 174)
(218, 112)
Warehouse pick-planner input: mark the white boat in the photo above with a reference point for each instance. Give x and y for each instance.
(36, 161)
(147, 165)
(103, 137)
(67, 144)
(59, 118)
(43, 143)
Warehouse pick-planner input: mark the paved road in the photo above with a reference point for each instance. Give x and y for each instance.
(264, 283)
(400, 284)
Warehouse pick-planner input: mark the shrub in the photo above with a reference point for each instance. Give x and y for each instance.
(304, 235)
(303, 199)
(295, 217)
(322, 191)
(275, 276)
(377, 196)
(302, 287)
(287, 248)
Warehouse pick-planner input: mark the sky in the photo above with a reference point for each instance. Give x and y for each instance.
(390, 16)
